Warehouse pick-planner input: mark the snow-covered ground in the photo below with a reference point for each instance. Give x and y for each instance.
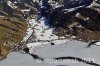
(71, 48)
(43, 35)
(39, 31)
(62, 47)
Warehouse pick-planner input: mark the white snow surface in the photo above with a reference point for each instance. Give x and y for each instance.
(41, 33)
(72, 9)
(97, 43)
(71, 48)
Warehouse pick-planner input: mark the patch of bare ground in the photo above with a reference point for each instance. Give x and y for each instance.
(11, 33)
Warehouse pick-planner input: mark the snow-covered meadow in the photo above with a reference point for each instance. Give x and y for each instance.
(43, 36)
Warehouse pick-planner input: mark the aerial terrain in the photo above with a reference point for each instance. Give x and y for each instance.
(49, 32)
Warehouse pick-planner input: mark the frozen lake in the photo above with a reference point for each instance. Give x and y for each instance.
(71, 48)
